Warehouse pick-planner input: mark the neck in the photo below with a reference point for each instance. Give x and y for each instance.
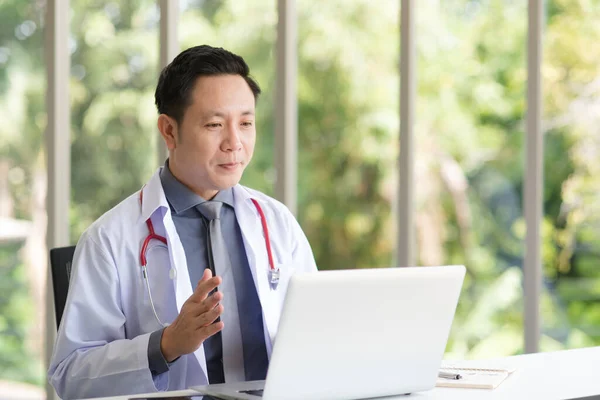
(205, 193)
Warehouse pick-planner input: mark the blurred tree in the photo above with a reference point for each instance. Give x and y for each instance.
(22, 171)
(114, 70)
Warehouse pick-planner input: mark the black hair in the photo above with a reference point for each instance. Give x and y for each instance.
(177, 80)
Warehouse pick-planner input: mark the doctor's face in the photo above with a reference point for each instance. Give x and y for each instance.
(213, 144)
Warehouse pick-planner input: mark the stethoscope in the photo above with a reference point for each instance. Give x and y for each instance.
(152, 235)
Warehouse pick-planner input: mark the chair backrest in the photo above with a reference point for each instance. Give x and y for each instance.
(60, 263)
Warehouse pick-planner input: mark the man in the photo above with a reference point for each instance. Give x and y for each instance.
(181, 284)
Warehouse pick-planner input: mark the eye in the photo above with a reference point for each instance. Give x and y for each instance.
(247, 124)
(213, 125)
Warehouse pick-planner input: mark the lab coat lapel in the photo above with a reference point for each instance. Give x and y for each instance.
(256, 251)
(154, 198)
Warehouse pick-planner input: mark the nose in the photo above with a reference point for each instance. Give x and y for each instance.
(232, 141)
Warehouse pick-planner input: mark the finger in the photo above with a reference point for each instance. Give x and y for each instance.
(206, 275)
(208, 285)
(209, 317)
(208, 304)
(204, 288)
(211, 329)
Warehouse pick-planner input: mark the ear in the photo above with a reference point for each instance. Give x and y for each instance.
(168, 130)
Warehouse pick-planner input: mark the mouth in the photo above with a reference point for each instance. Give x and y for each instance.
(231, 166)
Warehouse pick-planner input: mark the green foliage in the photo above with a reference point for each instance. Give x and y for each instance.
(114, 135)
(16, 361)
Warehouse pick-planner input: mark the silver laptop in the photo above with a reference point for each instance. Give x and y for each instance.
(355, 334)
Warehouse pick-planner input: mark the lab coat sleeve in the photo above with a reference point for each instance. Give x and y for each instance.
(92, 355)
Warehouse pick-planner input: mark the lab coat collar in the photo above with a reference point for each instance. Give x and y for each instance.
(242, 197)
(245, 211)
(153, 196)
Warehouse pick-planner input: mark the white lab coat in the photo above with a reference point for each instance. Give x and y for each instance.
(102, 344)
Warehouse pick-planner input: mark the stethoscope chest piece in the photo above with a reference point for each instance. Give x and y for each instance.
(274, 278)
(274, 273)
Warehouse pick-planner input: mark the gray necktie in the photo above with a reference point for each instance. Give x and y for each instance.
(218, 258)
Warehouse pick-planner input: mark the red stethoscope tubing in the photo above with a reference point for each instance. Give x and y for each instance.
(263, 220)
(153, 235)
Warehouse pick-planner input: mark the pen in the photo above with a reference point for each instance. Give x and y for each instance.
(448, 375)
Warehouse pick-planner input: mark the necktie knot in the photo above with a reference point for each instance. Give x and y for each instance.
(210, 209)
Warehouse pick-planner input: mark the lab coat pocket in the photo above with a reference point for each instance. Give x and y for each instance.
(273, 296)
(161, 286)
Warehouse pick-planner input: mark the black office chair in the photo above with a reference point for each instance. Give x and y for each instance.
(60, 263)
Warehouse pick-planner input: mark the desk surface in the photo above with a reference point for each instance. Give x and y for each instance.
(557, 375)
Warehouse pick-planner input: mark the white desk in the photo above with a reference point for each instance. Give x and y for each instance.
(558, 375)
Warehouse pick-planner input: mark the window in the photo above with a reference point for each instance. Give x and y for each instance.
(469, 136)
(114, 69)
(571, 226)
(22, 199)
(348, 130)
(469, 152)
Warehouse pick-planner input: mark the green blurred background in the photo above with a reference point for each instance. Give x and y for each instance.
(469, 146)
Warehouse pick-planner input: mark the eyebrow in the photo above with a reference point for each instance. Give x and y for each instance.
(211, 114)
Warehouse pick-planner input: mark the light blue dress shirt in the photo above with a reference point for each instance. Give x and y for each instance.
(192, 229)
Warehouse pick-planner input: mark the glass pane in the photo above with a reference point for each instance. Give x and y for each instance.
(348, 130)
(23, 255)
(247, 28)
(571, 234)
(469, 166)
(114, 70)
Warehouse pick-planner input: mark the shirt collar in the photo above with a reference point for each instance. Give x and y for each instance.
(225, 196)
(182, 198)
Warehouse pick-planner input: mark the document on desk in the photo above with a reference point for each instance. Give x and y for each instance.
(473, 377)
